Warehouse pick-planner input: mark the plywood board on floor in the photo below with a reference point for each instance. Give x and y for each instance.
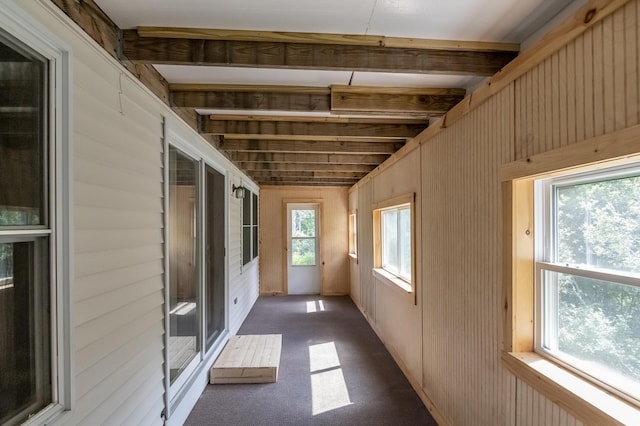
(248, 359)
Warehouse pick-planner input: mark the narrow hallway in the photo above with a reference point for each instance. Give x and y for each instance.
(333, 371)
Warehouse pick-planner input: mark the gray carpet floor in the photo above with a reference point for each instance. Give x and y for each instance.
(362, 385)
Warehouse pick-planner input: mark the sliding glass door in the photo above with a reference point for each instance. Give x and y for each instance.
(196, 289)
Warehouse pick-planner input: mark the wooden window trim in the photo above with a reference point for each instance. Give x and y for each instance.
(383, 275)
(582, 398)
(353, 232)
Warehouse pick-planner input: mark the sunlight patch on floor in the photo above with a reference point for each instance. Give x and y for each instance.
(315, 306)
(328, 387)
(323, 357)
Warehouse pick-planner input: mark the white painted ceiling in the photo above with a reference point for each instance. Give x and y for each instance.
(474, 20)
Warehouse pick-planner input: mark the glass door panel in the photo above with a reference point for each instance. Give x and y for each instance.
(183, 304)
(214, 256)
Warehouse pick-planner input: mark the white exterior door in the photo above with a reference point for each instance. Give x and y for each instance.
(303, 248)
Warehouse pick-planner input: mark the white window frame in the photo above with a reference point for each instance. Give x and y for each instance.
(20, 25)
(249, 193)
(545, 258)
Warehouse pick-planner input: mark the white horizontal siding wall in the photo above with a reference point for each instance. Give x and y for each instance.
(243, 280)
(117, 295)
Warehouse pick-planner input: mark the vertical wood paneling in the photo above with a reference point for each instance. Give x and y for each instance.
(585, 89)
(365, 245)
(535, 410)
(354, 268)
(461, 272)
(397, 316)
(588, 88)
(598, 79)
(608, 48)
(631, 62)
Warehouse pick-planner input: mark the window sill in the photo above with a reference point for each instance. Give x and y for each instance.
(581, 398)
(353, 257)
(392, 280)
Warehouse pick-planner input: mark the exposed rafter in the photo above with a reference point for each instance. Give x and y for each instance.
(310, 167)
(323, 38)
(309, 128)
(263, 174)
(337, 99)
(267, 145)
(304, 55)
(306, 157)
(394, 100)
(352, 147)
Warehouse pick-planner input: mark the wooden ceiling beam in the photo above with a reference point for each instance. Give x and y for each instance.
(352, 147)
(337, 99)
(389, 100)
(258, 174)
(223, 98)
(322, 38)
(261, 129)
(305, 181)
(310, 158)
(311, 167)
(315, 119)
(295, 55)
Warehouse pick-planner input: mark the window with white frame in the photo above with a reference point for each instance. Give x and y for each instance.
(249, 227)
(588, 275)
(393, 240)
(33, 341)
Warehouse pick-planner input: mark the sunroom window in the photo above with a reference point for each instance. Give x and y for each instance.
(393, 241)
(588, 275)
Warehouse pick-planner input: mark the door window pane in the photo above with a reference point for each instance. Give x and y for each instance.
(182, 262)
(303, 223)
(303, 241)
(303, 251)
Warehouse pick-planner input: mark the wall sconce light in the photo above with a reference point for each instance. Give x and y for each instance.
(238, 191)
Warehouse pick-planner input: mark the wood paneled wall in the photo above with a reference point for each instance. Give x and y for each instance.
(461, 263)
(334, 243)
(589, 87)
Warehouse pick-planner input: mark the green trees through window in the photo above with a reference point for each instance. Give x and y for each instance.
(591, 298)
(303, 237)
